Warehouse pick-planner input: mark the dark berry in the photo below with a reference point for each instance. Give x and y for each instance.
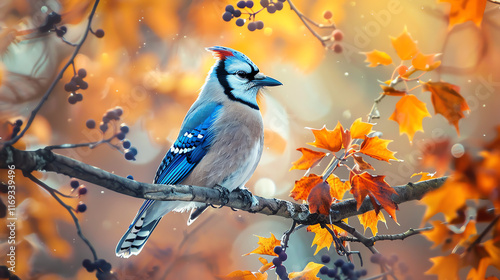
(72, 99)
(18, 122)
(90, 123)
(84, 85)
(332, 272)
(82, 190)
(277, 261)
(74, 184)
(259, 24)
(103, 127)
(227, 16)
(106, 267)
(237, 13)
(89, 265)
(323, 270)
(133, 150)
(283, 256)
(392, 260)
(111, 115)
(99, 33)
(118, 111)
(124, 128)
(130, 177)
(81, 207)
(339, 262)
(271, 9)
(54, 18)
(82, 73)
(376, 258)
(249, 4)
(77, 80)
(106, 119)
(337, 35)
(252, 26)
(229, 8)
(71, 86)
(264, 3)
(346, 268)
(60, 32)
(126, 144)
(129, 155)
(280, 270)
(337, 48)
(363, 272)
(79, 97)
(325, 259)
(327, 15)
(240, 22)
(278, 249)
(120, 135)
(278, 5)
(241, 4)
(100, 263)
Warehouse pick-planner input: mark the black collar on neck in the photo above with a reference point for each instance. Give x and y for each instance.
(222, 75)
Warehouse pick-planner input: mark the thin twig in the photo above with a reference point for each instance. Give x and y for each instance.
(483, 234)
(56, 80)
(68, 208)
(392, 237)
(306, 22)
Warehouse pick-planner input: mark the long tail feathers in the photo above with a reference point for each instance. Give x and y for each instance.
(137, 234)
(195, 213)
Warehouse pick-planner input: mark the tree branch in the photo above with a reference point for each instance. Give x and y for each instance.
(46, 160)
(392, 237)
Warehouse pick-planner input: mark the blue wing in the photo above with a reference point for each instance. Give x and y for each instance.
(191, 146)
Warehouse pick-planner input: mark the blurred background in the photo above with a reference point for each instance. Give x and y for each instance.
(152, 62)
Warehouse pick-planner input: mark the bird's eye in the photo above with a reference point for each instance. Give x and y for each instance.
(241, 74)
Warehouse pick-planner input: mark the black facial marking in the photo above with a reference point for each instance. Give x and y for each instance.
(222, 74)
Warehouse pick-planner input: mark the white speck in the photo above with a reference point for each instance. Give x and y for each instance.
(457, 150)
(346, 73)
(200, 136)
(484, 135)
(102, 191)
(186, 134)
(484, 105)
(346, 114)
(265, 187)
(190, 135)
(44, 9)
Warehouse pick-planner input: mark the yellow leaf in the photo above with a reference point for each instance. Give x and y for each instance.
(309, 272)
(462, 11)
(308, 160)
(370, 219)
(441, 234)
(425, 62)
(360, 129)
(409, 114)
(266, 246)
(377, 148)
(244, 275)
(328, 139)
(323, 238)
(404, 45)
(376, 58)
(446, 268)
(337, 187)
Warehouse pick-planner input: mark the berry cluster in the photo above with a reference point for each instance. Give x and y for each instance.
(82, 190)
(101, 266)
(278, 262)
(232, 12)
(341, 269)
(75, 84)
(16, 127)
(391, 261)
(112, 116)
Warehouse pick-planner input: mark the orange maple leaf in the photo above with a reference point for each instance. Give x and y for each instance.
(303, 187)
(493, 250)
(446, 267)
(323, 238)
(328, 139)
(442, 234)
(447, 101)
(370, 219)
(392, 91)
(266, 246)
(376, 58)
(308, 160)
(479, 273)
(377, 189)
(377, 148)
(360, 129)
(266, 265)
(424, 176)
(404, 45)
(462, 11)
(409, 114)
(309, 272)
(244, 275)
(337, 187)
(320, 199)
(361, 164)
(425, 62)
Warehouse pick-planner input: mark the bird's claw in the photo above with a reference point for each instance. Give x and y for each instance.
(245, 195)
(223, 194)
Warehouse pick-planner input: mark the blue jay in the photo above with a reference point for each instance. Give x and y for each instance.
(219, 144)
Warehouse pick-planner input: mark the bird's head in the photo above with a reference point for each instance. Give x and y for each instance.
(239, 76)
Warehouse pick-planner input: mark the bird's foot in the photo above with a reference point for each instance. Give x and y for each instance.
(223, 194)
(245, 195)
